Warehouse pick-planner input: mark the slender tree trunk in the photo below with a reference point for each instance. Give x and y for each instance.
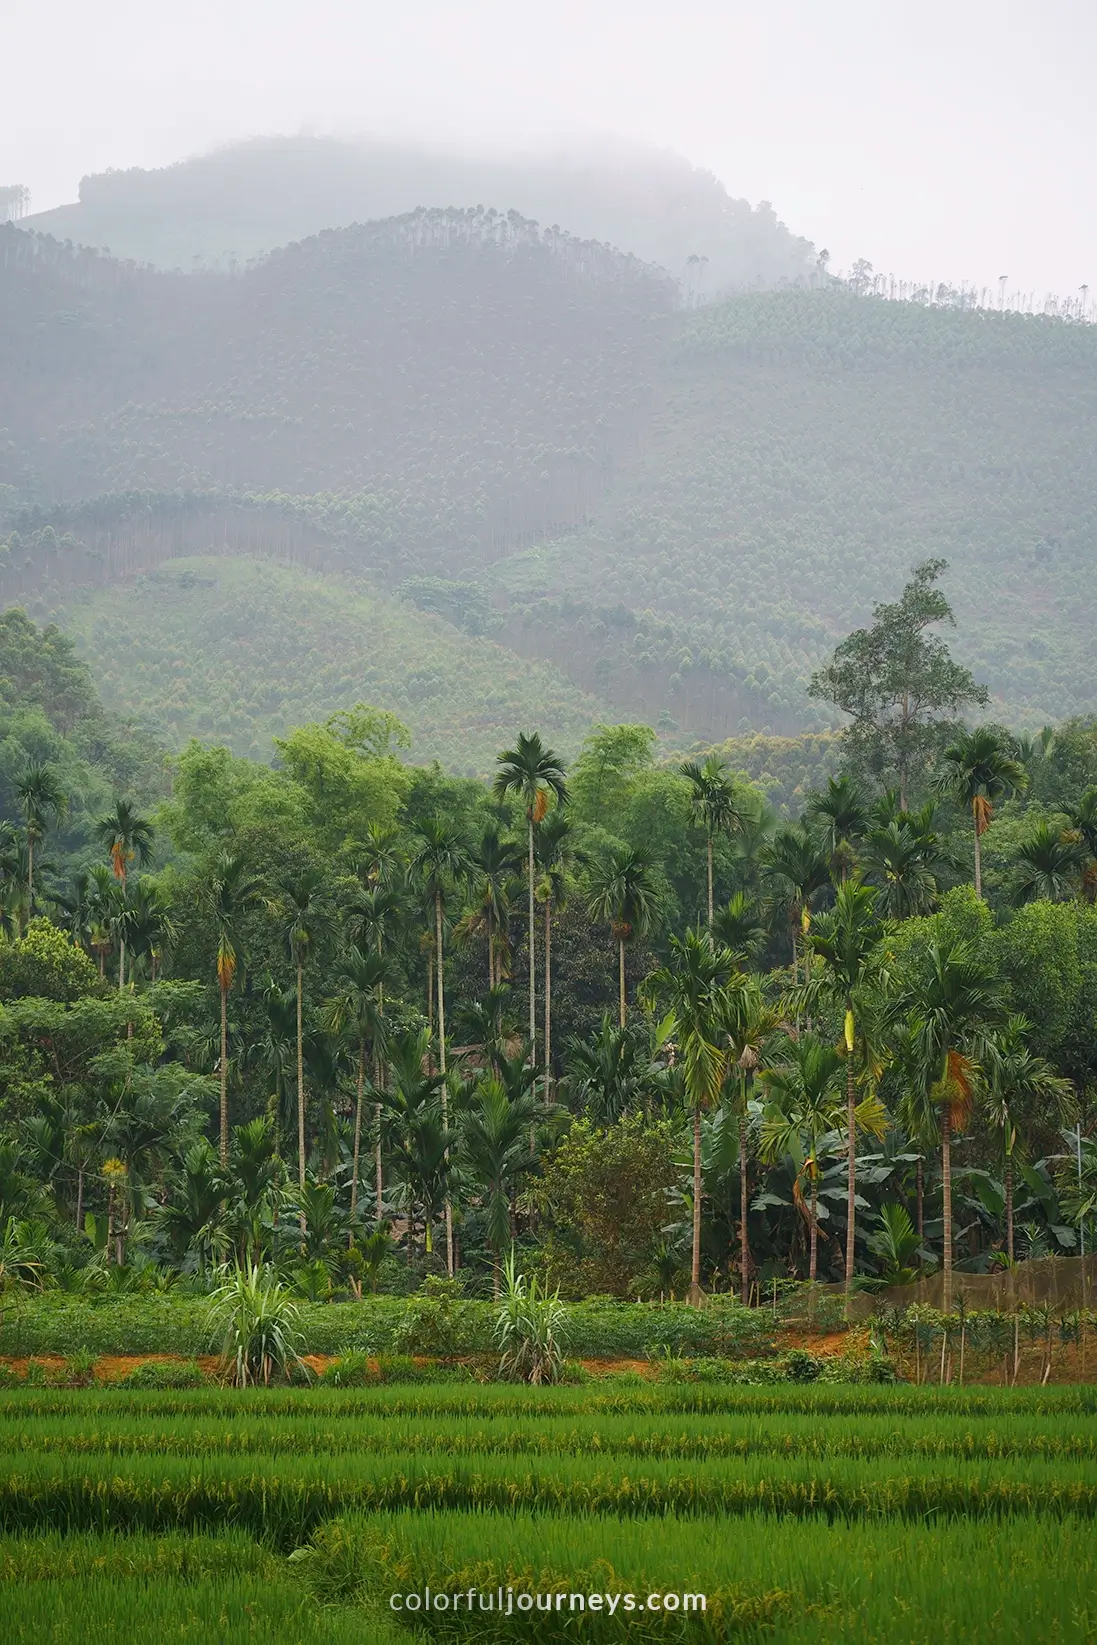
(695, 1267)
(357, 1139)
(442, 1067)
(744, 1205)
(919, 1200)
(430, 989)
(813, 1235)
(30, 873)
(1009, 1202)
(978, 851)
(491, 950)
(79, 1198)
(121, 963)
(710, 880)
(532, 965)
(301, 1087)
(548, 998)
(851, 1185)
(946, 1207)
(224, 1071)
(621, 978)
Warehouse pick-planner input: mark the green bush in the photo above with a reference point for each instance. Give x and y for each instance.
(166, 1374)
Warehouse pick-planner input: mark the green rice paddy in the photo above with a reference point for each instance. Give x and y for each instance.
(802, 1514)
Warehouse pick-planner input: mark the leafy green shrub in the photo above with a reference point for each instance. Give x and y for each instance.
(800, 1366)
(159, 1373)
(353, 1370)
(434, 1321)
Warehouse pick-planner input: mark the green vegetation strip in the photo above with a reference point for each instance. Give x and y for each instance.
(153, 1494)
(648, 1435)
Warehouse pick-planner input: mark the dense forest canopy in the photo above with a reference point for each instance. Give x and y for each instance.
(231, 205)
(366, 1020)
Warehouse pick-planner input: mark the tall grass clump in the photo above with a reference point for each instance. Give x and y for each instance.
(530, 1328)
(254, 1319)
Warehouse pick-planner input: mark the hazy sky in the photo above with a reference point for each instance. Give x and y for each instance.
(949, 139)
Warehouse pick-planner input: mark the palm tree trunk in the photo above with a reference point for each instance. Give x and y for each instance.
(978, 851)
(851, 1185)
(946, 1210)
(224, 1071)
(813, 1236)
(695, 1267)
(30, 873)
(79, 1197)
(442, 1066)
(300, 1087)
(357, 1139)
(548, 998)
(491, 949)
(744, 1231)
(919, 1200)
(532, 967)
(1009, 1203)
(121, 963)
(621, 977)
(710, 880)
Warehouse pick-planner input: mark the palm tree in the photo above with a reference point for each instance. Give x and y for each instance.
(1049, 865)
(357, 1006)
(418, 1138)
(712, 803)
(901, 860)
(305, 920)
(806, 1085)
(230, 889)
(796, 868)
(494, 1131)
(151, 924)
(441, 862)
(698, 984)
(977, 770)
(622, 891)
(1083, 829)
(128, 838)
(738, 925)
(43, 802)
(496, 865)
(535, 775)
(839, 811)
(1020, 1087)
(952, 1007)
(847, 940)
(751, 1022)
(555, 854)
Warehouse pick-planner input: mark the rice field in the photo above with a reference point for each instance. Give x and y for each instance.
(801, 1514)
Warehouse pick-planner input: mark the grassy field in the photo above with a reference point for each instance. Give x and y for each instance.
(814, 1513)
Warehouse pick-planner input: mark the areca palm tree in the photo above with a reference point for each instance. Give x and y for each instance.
(952, 1006)
(418, 1138)
(854, 975)
(43, 802)
(751, 1022)
(622, 891)
(840, 814)
(494, 1151)
(1083, 829)
(738, 925)
(556, 853)
(495, 868)
(796, 869)
(440, 863)
(357, 1007)
(128, 838)
(807, 1085)
(1049, 865)
(697, 986)
(1020, 1086)
(536, 777)
(305, 922)
(901, 861)
(230, 889)
(978, 770)
(712, 803)
(151, 925)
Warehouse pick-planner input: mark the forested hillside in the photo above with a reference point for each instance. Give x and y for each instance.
(245, 199)
(526, 436)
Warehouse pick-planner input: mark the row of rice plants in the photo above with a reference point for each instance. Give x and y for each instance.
(506, 1402)
(646, 1435)
(279, 1502)
(1006, 1584)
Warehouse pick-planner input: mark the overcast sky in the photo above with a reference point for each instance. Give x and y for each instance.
(952, 139)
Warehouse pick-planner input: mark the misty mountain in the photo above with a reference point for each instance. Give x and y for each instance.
(521, 437)
(228, 206)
